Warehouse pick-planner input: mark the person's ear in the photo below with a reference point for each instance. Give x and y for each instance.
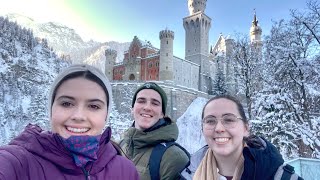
(247, 129)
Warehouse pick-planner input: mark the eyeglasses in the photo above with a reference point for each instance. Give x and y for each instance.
(228, 121)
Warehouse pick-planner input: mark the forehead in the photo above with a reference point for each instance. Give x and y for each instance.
(78, 85)
(149, 94)
(221, 106)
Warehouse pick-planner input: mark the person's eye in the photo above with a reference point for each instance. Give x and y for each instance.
(156, 103)
(210, 121)
(229, 120)
(66, 104)
(140, 101)
(94, 106)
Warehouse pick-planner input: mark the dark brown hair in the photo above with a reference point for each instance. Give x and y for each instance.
(231, 98)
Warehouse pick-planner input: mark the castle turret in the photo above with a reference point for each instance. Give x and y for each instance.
(255, 33)
(197, 26)
(111, 56)
(166, 55)
(196, 6)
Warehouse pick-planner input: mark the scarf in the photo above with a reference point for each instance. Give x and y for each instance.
(206, 169)
(83, 148)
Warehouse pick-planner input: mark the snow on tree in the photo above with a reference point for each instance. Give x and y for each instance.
(285, 108)
(219, 83)
(247, 65)
(26, 72)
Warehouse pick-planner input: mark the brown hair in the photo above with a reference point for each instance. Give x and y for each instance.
(231, 98)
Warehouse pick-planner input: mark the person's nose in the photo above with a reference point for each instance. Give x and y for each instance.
(219, 126)
(147, 106)
(78, 114)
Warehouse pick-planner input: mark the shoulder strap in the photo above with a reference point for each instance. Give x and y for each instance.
(156, 156)
(288, 171)
(117, 147)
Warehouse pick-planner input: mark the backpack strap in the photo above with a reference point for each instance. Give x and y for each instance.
(117, 147)
(156, 156)
(287, 172)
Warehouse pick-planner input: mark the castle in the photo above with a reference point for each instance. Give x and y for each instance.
(143, 62)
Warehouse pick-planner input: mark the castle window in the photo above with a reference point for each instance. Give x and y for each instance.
(167, 42)
(157, 64)
(166, 67)
(150, 64)
(167, 54)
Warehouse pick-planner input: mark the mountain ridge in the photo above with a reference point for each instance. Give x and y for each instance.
(66, 42)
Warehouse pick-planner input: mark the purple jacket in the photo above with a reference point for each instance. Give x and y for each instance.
(40, 155)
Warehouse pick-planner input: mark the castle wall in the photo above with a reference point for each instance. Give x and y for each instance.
(118, 72)
(185, 73)
(150, 68)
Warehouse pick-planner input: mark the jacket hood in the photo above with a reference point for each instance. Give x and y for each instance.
(263, 161)
(49, 146)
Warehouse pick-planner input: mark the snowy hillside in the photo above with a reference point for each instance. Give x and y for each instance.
(27, 68)
(190, 132)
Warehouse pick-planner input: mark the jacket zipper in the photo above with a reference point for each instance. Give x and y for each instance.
(86, 173)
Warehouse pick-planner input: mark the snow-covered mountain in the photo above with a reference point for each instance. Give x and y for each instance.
(65, 41)
(27, 68)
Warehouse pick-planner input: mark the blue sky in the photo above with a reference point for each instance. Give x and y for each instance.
(121, 20)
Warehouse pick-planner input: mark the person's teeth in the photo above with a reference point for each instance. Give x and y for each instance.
(221, 139)
(78, 130)
(145, 115)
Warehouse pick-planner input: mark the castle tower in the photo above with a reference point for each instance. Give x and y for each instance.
(166, 55)
(196, 6)
(111, 56)
(255, 33)
(197, 26)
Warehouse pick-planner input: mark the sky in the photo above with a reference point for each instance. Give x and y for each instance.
(121, 20)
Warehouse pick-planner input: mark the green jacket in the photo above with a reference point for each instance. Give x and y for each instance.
(138, 145)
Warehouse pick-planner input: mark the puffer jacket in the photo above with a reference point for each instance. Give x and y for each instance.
(260, 162)
(39, 155)
(138, 145)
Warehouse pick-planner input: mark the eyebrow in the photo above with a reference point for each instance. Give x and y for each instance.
(72, 98)
(228, 114)
(152, 99)
(221, 115)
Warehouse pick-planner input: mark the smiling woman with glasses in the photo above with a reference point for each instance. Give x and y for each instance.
(231, 153)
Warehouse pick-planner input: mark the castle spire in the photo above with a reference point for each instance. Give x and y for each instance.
(255, 32)
(255, 21)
